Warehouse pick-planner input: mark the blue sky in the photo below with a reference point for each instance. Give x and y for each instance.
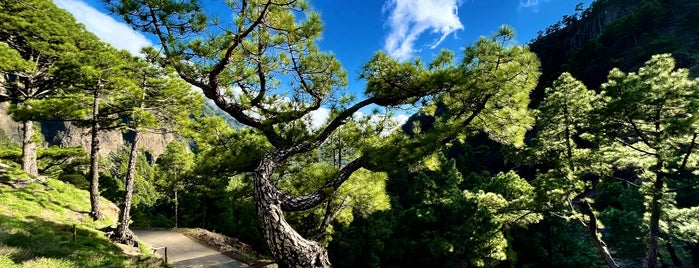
(355, 30)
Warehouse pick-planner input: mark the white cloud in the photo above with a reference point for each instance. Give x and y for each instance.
(319, 117)
(401, 119)
(408, 19)
(386, 124)
(531, 4)
(105, 27)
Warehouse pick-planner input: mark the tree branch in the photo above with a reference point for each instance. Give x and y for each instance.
(298, 203)
(689, 152)
(225, 60)
(633, 147)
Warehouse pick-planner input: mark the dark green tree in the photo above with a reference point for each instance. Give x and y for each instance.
(563, 117)
(172, 167)
(98, 76)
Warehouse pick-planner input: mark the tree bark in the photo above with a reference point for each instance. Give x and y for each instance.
(123, 233)
(592, 228)
(673, 254)
(287, 246)
(29, 164)
(176, 207)
(95, 206)
(655, 210)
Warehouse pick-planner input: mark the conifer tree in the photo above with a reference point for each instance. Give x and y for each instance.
(172, 166)
(649, 120)
(34, 36)
(264, 68)
(563, 118)
(97, 76)
(156, 100)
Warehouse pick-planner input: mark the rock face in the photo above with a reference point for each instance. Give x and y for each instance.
(11, 128)
(618, 33)
(590, 24)
(65, 134)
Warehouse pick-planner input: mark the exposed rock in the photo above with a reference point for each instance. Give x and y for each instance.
(11, 128)
(618, 33)
(66, 134)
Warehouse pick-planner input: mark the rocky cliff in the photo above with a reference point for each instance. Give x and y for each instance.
(64, 134)
(618, 33)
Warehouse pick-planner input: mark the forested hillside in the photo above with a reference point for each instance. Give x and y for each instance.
(577, 150)
(618, 33)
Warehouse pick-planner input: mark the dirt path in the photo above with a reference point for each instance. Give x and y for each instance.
(185, 252)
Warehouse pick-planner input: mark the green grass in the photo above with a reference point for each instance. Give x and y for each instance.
(36, 229)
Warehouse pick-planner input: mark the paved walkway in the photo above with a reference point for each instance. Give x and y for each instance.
(185, 252)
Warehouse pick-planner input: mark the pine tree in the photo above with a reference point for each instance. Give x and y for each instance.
(266, 71)
(172, 166)
(157, 99)
(34, 36)
(97, 76)
(564, 116)
(649, 119)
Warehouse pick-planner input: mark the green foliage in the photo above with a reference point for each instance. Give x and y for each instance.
(224, 151)
(12, 60)
(487, 93)
(563, 123)
(145, 192)
(654, 121)
(619, 150)
(498, 79)
(37, 37)
(552, 243)
(9, 149)
(36, 224)
(55, 161)
(440, 219)
(173, 164)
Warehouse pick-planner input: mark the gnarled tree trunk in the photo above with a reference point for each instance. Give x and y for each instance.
(29, 164)
(288, 247)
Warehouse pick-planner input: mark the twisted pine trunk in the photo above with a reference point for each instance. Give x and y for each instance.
(288, 247)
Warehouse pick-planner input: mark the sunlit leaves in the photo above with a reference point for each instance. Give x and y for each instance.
(12, 60)
(656, 105)
(497, 80)
(262, 58)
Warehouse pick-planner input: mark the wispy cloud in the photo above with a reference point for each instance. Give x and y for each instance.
(531, 4)
(408, 19)
(105, 27)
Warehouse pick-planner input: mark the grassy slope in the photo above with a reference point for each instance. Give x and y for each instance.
(36, 228)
